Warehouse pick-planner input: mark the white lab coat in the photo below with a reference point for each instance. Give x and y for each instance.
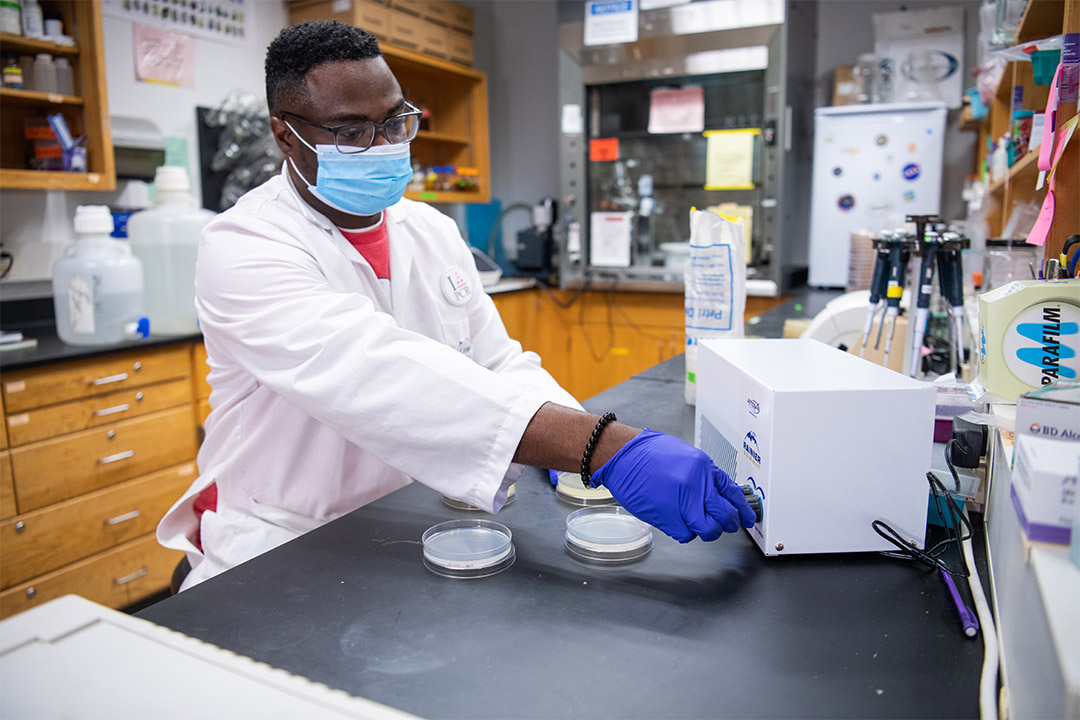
(328, 392)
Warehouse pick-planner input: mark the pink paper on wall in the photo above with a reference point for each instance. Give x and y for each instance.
(1047, 145)
(1041, 229)
(164, 57)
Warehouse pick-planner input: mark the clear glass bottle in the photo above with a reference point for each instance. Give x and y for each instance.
(97, 285)
(13, 74)
(166, 239)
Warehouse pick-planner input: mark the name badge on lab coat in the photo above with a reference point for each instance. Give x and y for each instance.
(455, 285)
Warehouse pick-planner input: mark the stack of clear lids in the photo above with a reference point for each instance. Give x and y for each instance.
(607, 534)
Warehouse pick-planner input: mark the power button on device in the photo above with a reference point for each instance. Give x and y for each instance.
(754, 499)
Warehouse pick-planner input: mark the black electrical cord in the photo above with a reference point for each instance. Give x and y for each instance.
(953, 520)
(9, 262)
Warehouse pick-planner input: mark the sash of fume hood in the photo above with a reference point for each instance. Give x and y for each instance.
(700, 38)
(138, 147)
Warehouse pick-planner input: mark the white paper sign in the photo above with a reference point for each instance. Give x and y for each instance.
(677, 110)
(609, 239)
(926, 49)
(572, 121)
(611, 21)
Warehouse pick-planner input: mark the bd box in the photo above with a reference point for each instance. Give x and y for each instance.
(1052, 411)
(1044, 487)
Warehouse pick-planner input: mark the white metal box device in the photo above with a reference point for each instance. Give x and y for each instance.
(828, 440)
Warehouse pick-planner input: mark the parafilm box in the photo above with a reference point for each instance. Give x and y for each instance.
(1029, 336)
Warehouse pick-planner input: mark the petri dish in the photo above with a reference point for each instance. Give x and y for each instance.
(470, 548)
(572, 492)
(448, 501)
(607, 534)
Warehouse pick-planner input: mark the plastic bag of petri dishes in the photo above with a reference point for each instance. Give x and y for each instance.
(715, 278)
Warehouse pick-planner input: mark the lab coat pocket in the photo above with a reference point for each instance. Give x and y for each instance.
(285, 519)
(455, 332)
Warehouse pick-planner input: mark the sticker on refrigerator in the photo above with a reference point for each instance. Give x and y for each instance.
(882, 140)
(604, 149)
(879, 208)
(846, 202)
(838, 171)
(912, 171)
(909, 196)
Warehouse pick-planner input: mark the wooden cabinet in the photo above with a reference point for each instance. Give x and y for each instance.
(86, 111)
(99, 450)
(1041, 19)
(455, 95)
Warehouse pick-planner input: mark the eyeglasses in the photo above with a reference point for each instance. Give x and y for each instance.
(358, 137)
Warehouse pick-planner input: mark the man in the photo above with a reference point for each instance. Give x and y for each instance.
(352, 349)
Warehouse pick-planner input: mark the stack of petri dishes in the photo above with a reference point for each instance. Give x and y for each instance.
(607, 534)
(471, 548)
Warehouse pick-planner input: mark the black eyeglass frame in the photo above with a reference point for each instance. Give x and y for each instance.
(376, 126)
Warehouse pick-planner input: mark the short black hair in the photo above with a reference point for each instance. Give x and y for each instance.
(299, 48)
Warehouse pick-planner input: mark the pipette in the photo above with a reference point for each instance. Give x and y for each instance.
(898, 260)
(951, 279)
(878, 286)
(925, 284)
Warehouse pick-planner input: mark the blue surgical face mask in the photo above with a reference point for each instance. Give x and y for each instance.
(362, 183)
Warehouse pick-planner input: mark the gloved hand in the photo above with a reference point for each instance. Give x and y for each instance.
(553, 476)
(675, 487)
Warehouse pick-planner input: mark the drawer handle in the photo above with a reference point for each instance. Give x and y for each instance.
(123, 518)
(133, 576)
(113, 410)
(118, 456)
(111, 379)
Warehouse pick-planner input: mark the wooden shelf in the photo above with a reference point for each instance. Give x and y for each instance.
(16, 43)
(11, 94)
(442, 138)
(54, 180)
(1041, 19)
(1029, 164)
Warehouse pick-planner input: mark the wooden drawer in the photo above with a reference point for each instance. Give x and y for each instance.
(200, 370)
(62, 468)
(47, 422)
(116, 578)
(39, 542)
(7, 487)
(37, 387)
(3, 429)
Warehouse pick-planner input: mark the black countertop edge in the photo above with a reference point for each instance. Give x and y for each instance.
(51, 350)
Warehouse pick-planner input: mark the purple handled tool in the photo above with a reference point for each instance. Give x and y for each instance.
(967, 617)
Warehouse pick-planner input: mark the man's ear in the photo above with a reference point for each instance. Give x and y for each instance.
(285, 138)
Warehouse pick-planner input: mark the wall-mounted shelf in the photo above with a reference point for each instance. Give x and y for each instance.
(86, 112)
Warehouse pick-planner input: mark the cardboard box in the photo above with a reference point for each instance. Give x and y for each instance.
(845, 88)
(409, 7)
(405, 29)
(1044, 487)
(1052, 411)
(437, 11)
(434, 40)
(365, 14)
(829, 442)
(460, 47)
(461, 18)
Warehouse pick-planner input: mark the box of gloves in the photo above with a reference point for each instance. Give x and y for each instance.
(829, 441)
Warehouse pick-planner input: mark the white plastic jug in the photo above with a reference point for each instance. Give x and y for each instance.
(97, 285)
(166, 239)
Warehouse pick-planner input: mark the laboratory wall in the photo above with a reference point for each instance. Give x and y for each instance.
(36, 225)
(845, 31)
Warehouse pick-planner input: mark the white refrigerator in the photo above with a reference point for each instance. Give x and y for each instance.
(873, 166)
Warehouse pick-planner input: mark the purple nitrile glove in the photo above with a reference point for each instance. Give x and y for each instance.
(675, 487)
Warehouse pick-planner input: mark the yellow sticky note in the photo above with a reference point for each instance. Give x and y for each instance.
(729, 161)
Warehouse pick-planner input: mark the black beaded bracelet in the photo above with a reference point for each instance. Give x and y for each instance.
(586, 473)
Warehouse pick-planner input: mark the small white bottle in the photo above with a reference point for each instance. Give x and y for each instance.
(97, 285)
(45, 74)
(33, 22)
(65, 80)
(10, 18)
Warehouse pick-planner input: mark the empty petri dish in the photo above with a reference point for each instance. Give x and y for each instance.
(571, 491)
(470, 548)
(607, 534)
(511, 493)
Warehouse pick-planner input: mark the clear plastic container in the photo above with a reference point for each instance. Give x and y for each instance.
(10, 17)
(570, 490)
(468, 548)
(33, 23)
(97, 285)
(607, 535)
(1007, 260)
(166, 239)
